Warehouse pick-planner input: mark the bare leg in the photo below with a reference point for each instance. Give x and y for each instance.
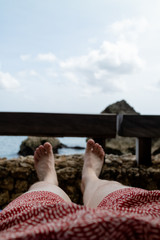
(45, 168)
(94, 189)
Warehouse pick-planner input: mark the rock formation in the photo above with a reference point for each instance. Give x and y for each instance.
(120, 107)
(29, 145)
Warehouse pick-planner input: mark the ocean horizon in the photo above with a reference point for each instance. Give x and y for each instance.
(10, 146)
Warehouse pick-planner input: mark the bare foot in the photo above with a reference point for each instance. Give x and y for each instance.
(44, 164)
(93, 162)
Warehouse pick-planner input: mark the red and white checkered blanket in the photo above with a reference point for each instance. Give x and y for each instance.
(129, 213)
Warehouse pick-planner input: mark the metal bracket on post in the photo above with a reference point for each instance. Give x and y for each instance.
(143, 151)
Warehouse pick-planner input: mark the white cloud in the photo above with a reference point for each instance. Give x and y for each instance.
(33, 73)
(107, 65)
(48, 57)
(7, 81)
(71, 76)
(25, 57)
(129, 28)
(26, 73)
(103, 68)
(22, 73)
(51, 73)
(92, 40)
(120, 57)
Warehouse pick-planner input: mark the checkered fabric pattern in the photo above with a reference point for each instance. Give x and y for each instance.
(129, 213)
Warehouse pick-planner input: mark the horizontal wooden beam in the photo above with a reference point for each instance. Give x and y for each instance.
(58, 125)
(140, 126)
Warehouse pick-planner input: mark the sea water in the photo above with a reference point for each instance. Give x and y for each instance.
(10, 145)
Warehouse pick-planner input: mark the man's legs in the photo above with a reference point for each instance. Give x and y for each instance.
(45, 167)
(94, 189)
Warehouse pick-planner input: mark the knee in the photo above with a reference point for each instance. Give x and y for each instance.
(115, 183)
(109, 185)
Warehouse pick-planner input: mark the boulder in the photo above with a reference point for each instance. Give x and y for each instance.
(120, 145)
(29, 145)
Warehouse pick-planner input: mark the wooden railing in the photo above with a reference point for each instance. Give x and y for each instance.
(97, 126)
(58, 125)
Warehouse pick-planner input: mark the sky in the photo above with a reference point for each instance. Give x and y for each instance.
(79, 56)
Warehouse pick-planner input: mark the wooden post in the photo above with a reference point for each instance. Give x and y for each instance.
(143, 151)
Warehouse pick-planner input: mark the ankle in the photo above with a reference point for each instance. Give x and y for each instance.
(88, 180)
(89, 174)
(51, 179)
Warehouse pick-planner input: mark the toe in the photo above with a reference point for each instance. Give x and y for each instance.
(36, 156)
(37, 152)
(48, 147)
(90, 145)
(95, 149)
(41, 150)
(101, 153)
(98, 150)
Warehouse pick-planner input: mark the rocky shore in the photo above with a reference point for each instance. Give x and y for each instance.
(17, 175)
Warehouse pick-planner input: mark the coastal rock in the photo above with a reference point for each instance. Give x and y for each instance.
(4, 198)
(120, 107)
(120, 145)
(21, 186)
(29, 145)
(7, 183)
(3, 171)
